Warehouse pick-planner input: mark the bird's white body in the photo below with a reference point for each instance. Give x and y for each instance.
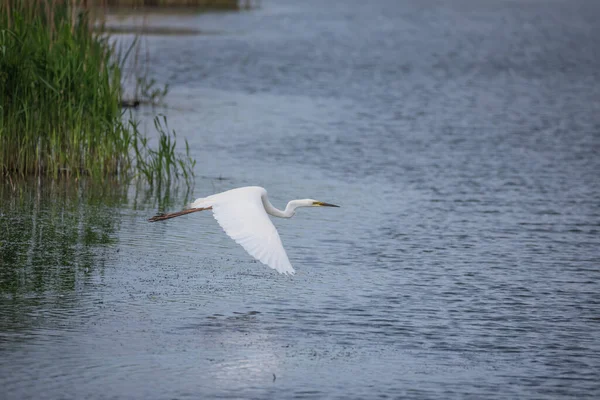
(242, 213)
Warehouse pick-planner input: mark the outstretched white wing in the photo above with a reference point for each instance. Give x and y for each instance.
(241, 213)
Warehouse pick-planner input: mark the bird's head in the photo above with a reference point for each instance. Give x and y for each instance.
(310, 203)
(294, 204)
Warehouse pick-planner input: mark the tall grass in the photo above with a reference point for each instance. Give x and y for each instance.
(162, 164)
(60, 100)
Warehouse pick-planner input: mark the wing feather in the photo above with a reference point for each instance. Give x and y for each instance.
(241, 214)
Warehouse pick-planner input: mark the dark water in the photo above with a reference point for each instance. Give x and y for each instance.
(462, 140)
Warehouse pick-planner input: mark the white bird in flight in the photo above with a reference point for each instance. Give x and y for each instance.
(242, 213)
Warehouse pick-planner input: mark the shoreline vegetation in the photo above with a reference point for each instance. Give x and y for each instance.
(202, 4)
(61, 101)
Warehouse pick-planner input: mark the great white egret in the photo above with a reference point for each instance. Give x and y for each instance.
(242, 213)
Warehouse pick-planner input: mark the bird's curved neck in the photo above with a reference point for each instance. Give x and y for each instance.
(289, 211)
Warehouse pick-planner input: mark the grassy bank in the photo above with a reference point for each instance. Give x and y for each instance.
(207, 4)
(60, 97)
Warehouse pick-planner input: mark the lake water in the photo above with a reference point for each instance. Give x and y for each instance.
(462, 140)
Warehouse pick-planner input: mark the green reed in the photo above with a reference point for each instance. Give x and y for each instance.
(60, 100)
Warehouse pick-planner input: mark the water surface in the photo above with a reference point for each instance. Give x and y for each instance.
(461, 140)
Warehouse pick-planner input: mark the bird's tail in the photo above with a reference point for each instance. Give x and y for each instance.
(198, 203)
(162, 217)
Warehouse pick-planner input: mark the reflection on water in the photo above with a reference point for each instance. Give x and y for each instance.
(55, 240)
(54, 234)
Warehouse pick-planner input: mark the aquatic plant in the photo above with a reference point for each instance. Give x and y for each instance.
(162, 164)
(60, 100)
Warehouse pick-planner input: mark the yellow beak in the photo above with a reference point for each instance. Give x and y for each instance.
(321, 204)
